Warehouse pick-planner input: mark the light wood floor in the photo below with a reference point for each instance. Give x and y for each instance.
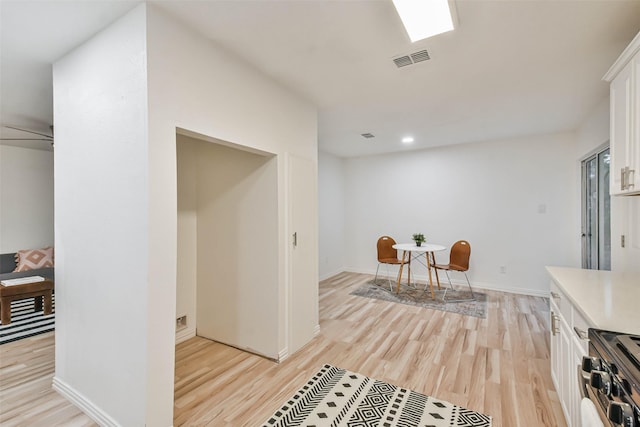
(498, 365)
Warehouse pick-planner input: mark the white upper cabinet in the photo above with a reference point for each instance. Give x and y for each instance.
(624, 76)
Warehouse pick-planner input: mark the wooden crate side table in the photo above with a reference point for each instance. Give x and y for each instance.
(40, 291)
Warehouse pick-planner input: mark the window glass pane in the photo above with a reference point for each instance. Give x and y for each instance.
(591, 214)
(596, 208)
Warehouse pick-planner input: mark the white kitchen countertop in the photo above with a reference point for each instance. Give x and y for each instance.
(608, 300)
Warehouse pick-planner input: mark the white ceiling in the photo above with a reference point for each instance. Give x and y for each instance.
(510, 68)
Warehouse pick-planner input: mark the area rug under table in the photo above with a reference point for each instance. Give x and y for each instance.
(336, 397)
(417, 295)
(25, 322)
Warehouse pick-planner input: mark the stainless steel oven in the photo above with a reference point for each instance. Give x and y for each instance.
(610, 377)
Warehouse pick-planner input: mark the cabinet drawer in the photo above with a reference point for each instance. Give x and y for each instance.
(561, 302)
(580, 328)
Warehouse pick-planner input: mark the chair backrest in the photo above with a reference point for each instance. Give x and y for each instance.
(385, 248)
(459, 256)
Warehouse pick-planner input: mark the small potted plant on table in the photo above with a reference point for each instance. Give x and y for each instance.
(418, 238)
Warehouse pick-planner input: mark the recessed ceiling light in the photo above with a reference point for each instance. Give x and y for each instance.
(424, 18)
(407, 140)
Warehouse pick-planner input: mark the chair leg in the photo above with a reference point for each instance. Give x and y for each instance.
(375, 280)
(469, 284)
(433, 262)
(444, 296)
(448, 280)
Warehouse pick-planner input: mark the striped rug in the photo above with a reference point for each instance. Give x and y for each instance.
(335, 397)
(25, 322)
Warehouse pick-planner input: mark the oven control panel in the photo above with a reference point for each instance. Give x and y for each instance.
(607, 387)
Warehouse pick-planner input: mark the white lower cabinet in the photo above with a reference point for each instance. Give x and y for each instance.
(568, 345)
(565, 373)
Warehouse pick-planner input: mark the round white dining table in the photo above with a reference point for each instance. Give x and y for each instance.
(408, 250)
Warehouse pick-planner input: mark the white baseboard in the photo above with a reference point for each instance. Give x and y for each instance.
(382, 273)
(84, 404)
(490, 287)
(474, 284)
(316, 330)
(185, 334)
(328, 275)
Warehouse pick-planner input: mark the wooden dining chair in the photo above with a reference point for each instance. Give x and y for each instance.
(458, 261)
(386, 255)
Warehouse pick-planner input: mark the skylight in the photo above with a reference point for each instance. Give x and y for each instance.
(424, 18)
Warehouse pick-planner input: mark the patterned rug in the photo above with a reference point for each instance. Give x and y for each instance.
(418, 296)
(25, 322)
(337, 397)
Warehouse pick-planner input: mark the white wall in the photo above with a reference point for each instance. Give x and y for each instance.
(331, 199)
(490, 194)
(187, 238)
(594, 131)
(26, 198)
(102, 225)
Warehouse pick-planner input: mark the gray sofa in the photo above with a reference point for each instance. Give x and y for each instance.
(8, 264)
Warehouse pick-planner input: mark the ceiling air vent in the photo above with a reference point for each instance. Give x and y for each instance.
(420, 56)
(403, 61)
(368, 135)
(412, 58)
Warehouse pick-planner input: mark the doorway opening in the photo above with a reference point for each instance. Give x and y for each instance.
(596, 211)
(227, 284)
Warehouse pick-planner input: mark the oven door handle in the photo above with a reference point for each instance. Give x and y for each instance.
(584, 378)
